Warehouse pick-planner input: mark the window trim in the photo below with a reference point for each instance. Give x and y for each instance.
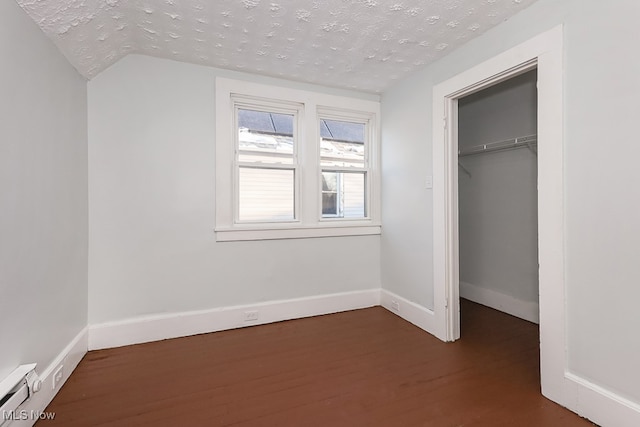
(309, 222)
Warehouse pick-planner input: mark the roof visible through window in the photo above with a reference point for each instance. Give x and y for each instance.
(265, 122)
(342, 131)
(281, 124)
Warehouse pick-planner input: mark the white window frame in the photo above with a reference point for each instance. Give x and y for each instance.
(368, 120)
(241, 102)
(310, 107)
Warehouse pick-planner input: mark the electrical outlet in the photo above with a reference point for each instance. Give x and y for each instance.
(58, 375)
(395, 305)
(250, 316)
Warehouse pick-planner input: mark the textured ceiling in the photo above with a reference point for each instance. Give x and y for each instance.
(356, 44)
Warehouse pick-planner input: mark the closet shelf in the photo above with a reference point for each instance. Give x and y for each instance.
(529, 141)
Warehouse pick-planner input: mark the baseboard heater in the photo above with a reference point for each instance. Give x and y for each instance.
(17, 388)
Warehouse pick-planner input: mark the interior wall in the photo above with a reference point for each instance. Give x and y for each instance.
(600, 151)
(151, 206)
(498, 194)
(43, 194)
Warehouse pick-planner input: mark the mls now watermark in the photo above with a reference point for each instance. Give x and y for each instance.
(25, 415)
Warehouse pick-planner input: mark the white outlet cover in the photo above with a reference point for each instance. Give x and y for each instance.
(250, 316)
(57, 377)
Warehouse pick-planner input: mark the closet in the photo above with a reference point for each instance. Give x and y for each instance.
(497, 191)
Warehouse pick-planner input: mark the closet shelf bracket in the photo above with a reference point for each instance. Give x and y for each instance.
(462, 168)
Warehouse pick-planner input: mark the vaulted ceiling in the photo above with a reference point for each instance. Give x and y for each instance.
(356, 44)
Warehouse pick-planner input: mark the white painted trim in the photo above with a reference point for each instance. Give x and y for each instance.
(602, 406)
(69, 357)
(410, 311)
(546, 50)
(292, 232)
(599, 404)
(174, 325)
(526, 310)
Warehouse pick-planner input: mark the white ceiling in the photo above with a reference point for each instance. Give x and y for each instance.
(357, 44)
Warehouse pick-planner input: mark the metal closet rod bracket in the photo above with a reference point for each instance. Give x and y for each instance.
(529, 141)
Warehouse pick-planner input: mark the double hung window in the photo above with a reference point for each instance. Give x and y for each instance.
(266, 163)
(294, 164)
(344, 167)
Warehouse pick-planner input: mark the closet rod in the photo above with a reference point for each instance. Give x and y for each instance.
(528, 141)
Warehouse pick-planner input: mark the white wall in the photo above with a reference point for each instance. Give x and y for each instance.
(498, 201)
(602, 205)
(43, 195)
(152, 246)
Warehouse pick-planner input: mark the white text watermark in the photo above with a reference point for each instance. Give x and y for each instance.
(25, 415)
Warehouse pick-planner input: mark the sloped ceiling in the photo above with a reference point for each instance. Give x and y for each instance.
(357, 44)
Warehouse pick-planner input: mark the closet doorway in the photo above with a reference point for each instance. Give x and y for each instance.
(543, 53)
(497, 197)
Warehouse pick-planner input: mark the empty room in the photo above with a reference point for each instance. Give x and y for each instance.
(325, 213)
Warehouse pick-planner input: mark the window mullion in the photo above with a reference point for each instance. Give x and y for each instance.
(309, 161)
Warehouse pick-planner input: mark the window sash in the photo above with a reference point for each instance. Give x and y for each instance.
(265, 144)
(267, 106)
(237, 211)
(365, 119)
(341, 194)
(271, 204)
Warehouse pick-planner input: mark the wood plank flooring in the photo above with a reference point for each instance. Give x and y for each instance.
(359, 368)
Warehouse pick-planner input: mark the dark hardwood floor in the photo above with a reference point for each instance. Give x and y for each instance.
(359, 368)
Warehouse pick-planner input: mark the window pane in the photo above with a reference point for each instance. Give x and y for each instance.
(266, 194)
(348, 199)
(353, 186)
(342, 143)
(329, 204)
(329, 181)
(265, 137)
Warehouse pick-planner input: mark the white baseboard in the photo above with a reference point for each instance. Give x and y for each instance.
(522, 309)
(600, 405)
(594, 402)
(409, 311)
(174, 325)
(30, 410)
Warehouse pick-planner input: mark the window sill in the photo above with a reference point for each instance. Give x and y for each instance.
(276, 233)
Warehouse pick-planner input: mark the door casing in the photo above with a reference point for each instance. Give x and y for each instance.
(544, 52)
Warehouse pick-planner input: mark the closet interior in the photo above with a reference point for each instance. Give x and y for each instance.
(497, 197)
